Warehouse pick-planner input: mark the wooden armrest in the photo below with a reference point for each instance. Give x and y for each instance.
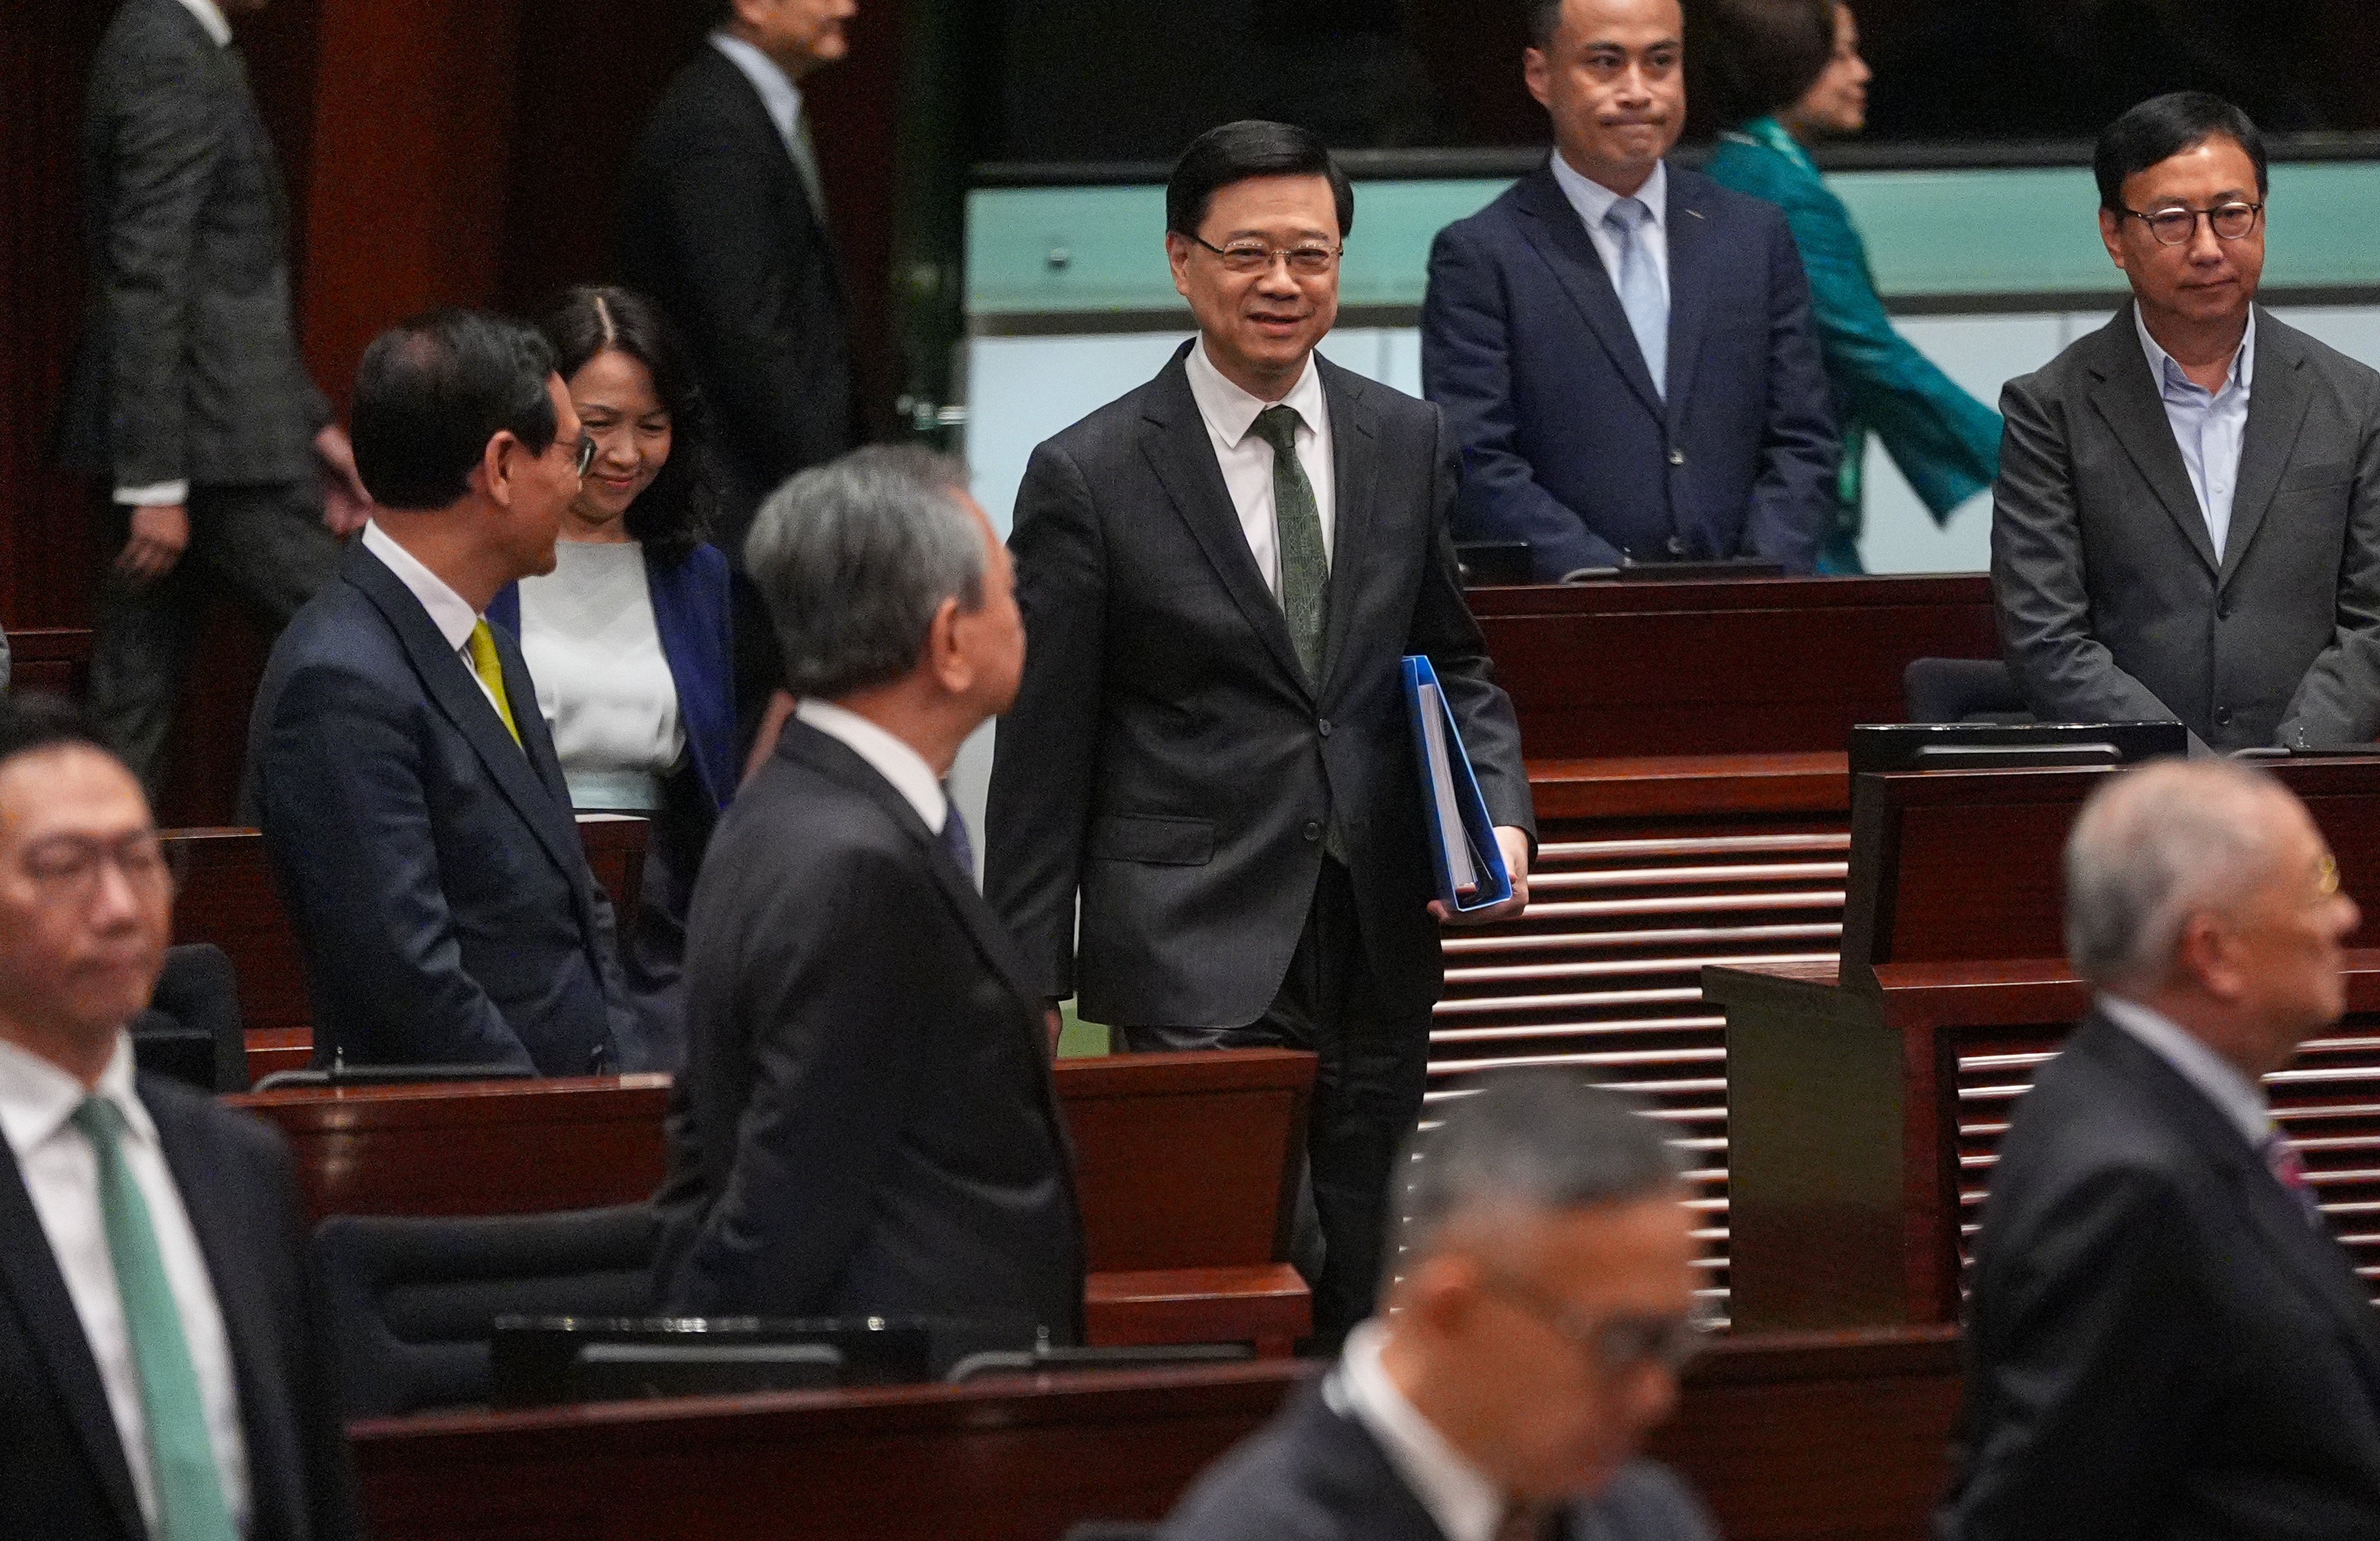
(1264, 1303)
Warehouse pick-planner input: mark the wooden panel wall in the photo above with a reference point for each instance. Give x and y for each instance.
(437, 152)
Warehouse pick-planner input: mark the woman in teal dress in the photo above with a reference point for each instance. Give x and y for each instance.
(1782, 75)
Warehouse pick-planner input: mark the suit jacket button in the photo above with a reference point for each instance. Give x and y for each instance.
(1313, 831)
(1677, 545)
(1677, 457)
(1323, 727)
(2222, 716)
(2223, 611)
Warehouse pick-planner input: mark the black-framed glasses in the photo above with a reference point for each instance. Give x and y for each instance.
(1251, 257)
(586, 456)
(1618, 1344)
(2174, 227)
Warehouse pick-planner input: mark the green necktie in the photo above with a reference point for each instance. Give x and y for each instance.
(191, 1505)
(1297, 527)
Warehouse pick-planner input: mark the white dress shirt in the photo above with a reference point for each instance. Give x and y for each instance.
(893, 760)
(2208, 427)
(449, 611)
(779, 95)
(61, 1174)
(2222, 1083)
(1592, 199)
(162, 493)
(604, 682)
(1245, 456)
(1466, 1505)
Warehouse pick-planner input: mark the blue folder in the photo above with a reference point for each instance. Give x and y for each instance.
(1462, 838)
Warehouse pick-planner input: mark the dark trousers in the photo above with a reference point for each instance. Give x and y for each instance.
(1373, 1066)
(652, 963)
(265, 545)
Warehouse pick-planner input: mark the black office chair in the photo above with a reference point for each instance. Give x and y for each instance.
(192, 1030)
(413, 1302)
(1962, 690)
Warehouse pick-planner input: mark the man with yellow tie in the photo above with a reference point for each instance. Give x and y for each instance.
(419, 824)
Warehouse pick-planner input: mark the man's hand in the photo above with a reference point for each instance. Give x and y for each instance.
(1515, 845)
(159, 534)
(346, 505)
(1057, 1021)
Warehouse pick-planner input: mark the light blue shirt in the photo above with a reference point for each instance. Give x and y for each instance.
(2208, 427)
(2239, 1098)
(1592, 199)
(779, 95)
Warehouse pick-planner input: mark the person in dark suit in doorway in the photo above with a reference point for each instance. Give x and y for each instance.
(163, 1370)
(866, 1124)
(1625, 347)
(2164, 1339)
(1221, 572)
(188, 397)
(1544, 1307)
(412, 804)
(2187, 521)
(723, 224)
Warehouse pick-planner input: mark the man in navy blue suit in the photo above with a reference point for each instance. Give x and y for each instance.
(1624, 347)
(411, 801)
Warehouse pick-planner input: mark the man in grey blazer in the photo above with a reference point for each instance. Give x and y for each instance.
(2187, 521)
(187, 399)
(1212, 747)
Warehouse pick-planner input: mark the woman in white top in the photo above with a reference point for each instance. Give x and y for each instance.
(628, 639)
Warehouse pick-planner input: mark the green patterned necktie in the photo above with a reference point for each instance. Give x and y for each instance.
(1297, 527)
(191, 1505)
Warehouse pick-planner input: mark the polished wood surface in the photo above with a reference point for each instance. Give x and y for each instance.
(52, 658)
(1839, 1436)
(1266, 1303)
(1865, 1103)
(1721, 666)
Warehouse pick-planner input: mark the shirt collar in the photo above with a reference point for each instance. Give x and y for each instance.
(211, 17)
(779, 95)
(1233, 411)
(2239, 1098)
(1466, 1505)
(892, 758)
(37, 1097)
(1592, 199)
(2168, 374)
(449, 611)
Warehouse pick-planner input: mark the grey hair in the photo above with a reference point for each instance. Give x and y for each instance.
(854, 557)
(2154, 847)
(1538, 1139)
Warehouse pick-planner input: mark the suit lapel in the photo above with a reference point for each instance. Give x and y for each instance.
(1183, 457)
(1553, 228)
(264, 1410)
(2278, 396)
(2127, 399)
(30, 1274)
(448, 682)
(1354, 463)
(1688, 227)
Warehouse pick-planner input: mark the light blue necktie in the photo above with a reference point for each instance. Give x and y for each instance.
(1640, 287)
(191, 1504)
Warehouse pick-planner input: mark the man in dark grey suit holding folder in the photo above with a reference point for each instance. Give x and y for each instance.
(1212, 746)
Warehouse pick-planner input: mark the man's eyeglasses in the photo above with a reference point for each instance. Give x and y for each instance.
(66, 869)
(1252, 257)
(1619, 1344)
(2174, 227)
(584, 455)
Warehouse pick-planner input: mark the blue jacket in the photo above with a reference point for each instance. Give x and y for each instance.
(429, 864)
(1565, 442)
(1945, 441)
(690, 612)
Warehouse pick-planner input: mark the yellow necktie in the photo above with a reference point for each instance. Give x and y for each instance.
(490, 670)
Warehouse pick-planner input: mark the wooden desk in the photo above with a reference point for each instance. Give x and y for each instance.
(1185, 1165)
(53, 659)
(1788, 1439)
(1867, 1100)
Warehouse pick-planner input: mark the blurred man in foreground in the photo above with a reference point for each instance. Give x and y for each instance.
(2164, 1339)
(1545, 1307)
